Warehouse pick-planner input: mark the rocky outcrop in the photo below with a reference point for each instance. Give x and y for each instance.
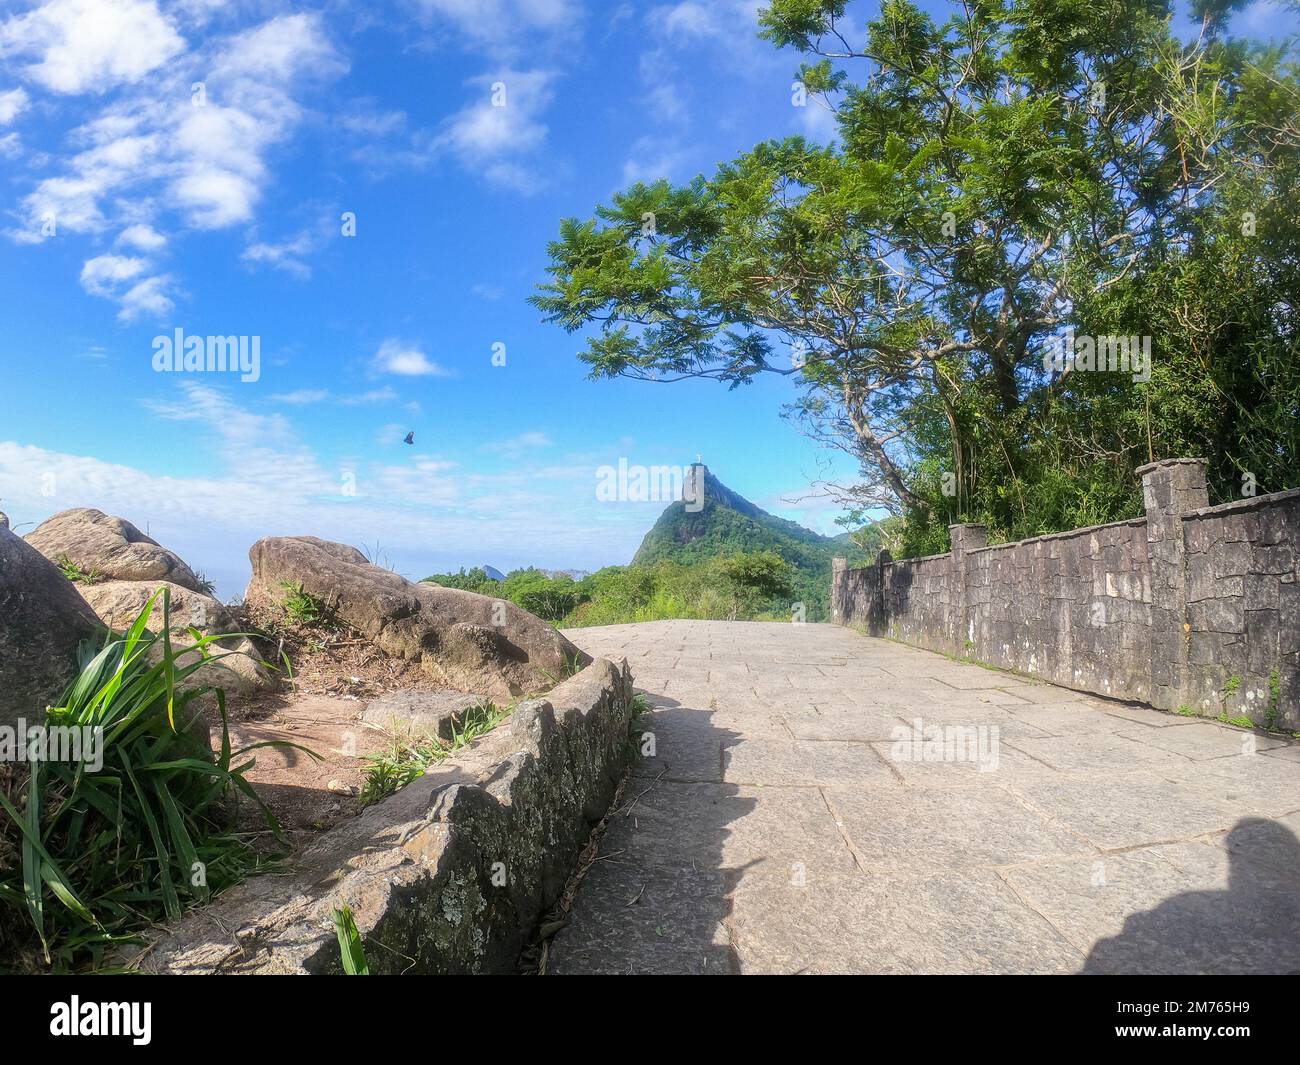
(128, 568)
(411, 714)
(237, 669)
(451, 874)
(461, 640)
(42, 620)
(112, 548)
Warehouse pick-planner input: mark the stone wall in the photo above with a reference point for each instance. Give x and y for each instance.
(1190, 606)
(451, 874)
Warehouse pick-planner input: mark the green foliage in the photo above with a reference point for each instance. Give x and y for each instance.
(406, 760)
(105, 854)
(755, 578)
(473, 580)
(350, 947)
(1274, 708)
(299, 606)
(550, 598)
(1020, 168)
(75, 573)
(727, 525)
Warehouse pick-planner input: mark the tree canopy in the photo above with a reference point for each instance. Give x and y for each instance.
(1024, 172)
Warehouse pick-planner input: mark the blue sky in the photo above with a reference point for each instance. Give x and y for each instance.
(188, 165)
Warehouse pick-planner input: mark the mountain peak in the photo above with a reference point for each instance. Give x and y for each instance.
(728, 523)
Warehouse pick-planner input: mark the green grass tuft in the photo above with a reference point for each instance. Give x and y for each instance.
(107, 854)
(75, 573)
(300, 606)
(406, 760)
(350, 947)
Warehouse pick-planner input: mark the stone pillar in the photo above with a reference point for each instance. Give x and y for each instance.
(967, 536)
(1170, 488)
(878, 617)
(839, 588)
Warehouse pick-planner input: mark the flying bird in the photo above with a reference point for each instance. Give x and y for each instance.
(410, 437)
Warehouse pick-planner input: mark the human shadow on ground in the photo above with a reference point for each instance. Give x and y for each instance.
(1252, 927)
(657, 899)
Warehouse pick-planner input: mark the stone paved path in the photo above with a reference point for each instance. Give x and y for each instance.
(775, 830)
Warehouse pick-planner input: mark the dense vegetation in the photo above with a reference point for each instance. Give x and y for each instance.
(1024, 169)
(728, 524)
(742, 585)
(728, 559)
(90, 859)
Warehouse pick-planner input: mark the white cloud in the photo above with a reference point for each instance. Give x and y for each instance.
(507, 26)
(118, 277)
(142, 237)
(652, 158)
(518, 445)
(287, 255)
(364, 119)
(817, 121)
(12, 104)
(732, 21)
(206, 163)
(101, 275)
(496, 133)
(375, 395)
(306, 396)
(90, 45)
(147, 298)
(154, 154)
(407, 360)
(302, 397)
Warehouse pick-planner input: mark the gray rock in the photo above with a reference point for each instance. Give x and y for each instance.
(461, 640)
(449, 875)
(42, 620)
(112, 547)
(413, 713)
(236, 666)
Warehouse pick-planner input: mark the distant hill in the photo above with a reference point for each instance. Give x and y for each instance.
(728, 522)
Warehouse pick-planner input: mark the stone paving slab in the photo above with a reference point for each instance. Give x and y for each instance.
(775, 838)
(882, 923)
(1214, 914)
(948, 828)
(780, 828)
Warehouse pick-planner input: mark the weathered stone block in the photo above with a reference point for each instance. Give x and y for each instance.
(1230, 559)
(448, 876)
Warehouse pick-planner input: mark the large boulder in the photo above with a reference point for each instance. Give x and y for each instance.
(237, 668)
(110, 547)
(42, 620)
(464, 641)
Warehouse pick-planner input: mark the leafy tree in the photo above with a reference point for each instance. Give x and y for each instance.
(550, 598)
(473, 580)
(1025, 166)
(757, 575)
